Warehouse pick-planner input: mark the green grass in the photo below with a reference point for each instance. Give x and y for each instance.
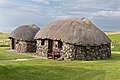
(41, 69)
(4, 41)
(115, 41)
(61, 70)
(4, 35)
(4, 55)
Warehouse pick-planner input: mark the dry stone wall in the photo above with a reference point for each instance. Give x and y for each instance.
(93, 52)
(21, 47)
(71, 52)
(31, 46)
(42, 49)
(85, 52)
(24, 46)
(67, 52)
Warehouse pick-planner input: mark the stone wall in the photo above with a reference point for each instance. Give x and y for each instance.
(42, 49)
(68, 51)
(71, 52)
(21, 46)
(11, 44)
(93, 52)
(86, 52)
(24, 46)
(31, 46)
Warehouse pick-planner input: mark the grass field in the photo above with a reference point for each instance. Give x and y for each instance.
(43, 69)
(61, 70)
(4, 41)
(115, 41)
(4, 55)
(4, 35)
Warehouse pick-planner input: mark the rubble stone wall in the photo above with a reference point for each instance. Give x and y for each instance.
(93, 52)
(24, 46)
(70, 51)
(42, 49)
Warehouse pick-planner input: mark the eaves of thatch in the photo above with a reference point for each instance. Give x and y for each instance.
(25, 32)
(75, 31)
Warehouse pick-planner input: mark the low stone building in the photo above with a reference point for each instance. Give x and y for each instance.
(22, 38)
(73, 39)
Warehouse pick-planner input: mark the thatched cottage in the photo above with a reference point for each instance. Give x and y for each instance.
(22, 38)
(73, 39)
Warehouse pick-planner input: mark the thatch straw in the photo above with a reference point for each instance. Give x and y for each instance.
(75, 31)
(25, 32)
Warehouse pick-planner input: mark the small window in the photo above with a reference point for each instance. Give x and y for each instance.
(56, 46)
(60, 44)
(42, 42)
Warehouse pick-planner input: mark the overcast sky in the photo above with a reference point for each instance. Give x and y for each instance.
(105, 14)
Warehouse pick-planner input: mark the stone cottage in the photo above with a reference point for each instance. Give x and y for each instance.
(73, 38)
(22, 38)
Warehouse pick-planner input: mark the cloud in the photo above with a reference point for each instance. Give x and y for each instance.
(91, 4)
(107, 13)
(41, 1)
(43, 11)
(5, 2)
(63, 16)
(0, 1)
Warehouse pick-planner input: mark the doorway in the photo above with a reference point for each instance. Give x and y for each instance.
(50, 46)
(13, 43)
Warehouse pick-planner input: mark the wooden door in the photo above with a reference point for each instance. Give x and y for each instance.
(50, 46)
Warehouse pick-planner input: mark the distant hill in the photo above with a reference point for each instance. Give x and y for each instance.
(4, 35)
(109, 33)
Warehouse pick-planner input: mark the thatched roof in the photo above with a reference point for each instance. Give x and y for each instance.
(75, 31)
(25, 32)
